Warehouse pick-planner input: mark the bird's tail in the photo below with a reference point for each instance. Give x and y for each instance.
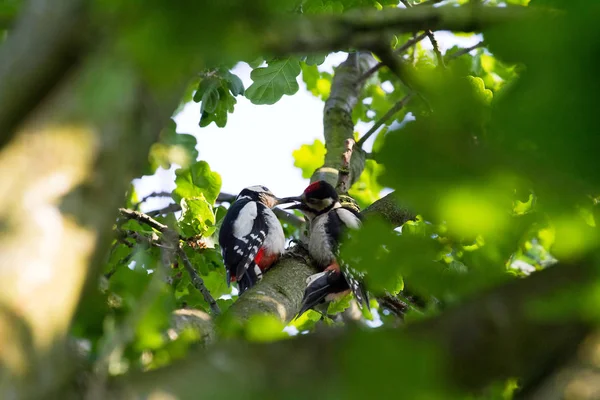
(317, 288)
(248, 277)
(355, 280)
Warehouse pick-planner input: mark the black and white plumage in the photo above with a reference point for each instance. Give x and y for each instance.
(328, 222)
(251, 237)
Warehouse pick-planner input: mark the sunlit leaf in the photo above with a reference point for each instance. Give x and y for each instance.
(195, 181)
(309, 157)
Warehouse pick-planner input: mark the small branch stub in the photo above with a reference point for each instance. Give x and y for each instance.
(343, 184)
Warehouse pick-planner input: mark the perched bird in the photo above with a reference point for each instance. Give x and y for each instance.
(251, 237)
(328, 221)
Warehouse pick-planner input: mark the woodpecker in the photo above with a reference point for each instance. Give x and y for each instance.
(251, 237)
(328, 221)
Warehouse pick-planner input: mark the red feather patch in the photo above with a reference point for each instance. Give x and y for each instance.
(312, 187)
(264, 261)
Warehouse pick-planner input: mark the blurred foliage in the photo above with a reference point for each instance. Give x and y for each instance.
(309, 157)
(495, 151)
(172, 148)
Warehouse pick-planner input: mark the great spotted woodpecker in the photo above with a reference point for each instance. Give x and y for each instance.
(328, 220)
(251, 237)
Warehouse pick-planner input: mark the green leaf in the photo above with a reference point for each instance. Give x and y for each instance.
(197, 181)
(217, 93)
(270, 83)
(339, 305)
(315, 59)
(309, 157)
(216, 283)
(219, 116)
(172, 148)
(150, 330)
(197, 217)
(206, 85)
(318, 83)
(210, 101)
(234, 83)
(366, 189)
(264, 328)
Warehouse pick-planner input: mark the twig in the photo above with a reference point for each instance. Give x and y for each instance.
(429, 3)
(169, 233)
(344, 172)
(405, 100)
(225, 197)
(397, 107)
(151, 195)
(436, 49)
(431, 37)
(465, 51)
(288, 217)
(395, 305)
(146, 219)
(115, 341)
(198, 282)
(171, 208)
(399, 50)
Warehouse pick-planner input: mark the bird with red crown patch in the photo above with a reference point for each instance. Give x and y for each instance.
(328, 221)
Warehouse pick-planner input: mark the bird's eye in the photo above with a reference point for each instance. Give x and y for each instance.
(264, 188)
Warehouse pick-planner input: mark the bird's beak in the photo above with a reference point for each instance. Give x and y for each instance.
(297, 206)
(286, 200)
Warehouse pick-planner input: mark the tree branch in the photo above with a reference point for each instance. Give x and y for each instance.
(283, 215)
(279, 293)
(387, 208)
(337, 120)
(398, 51)
(150, 196)
(491, 337)
(198, 282)
(431, 37)
(343, 184)
(141, 217)
(364, 28)
(392, 111)
(171, 236)
(402, 103)
(465, 51)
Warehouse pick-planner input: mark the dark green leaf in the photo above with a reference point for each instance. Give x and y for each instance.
(234, 83)
(273, 81)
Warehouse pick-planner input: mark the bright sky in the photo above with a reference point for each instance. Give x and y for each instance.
(255, 147)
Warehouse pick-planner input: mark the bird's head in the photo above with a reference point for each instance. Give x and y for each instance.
(263, 195)
(317, 198)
